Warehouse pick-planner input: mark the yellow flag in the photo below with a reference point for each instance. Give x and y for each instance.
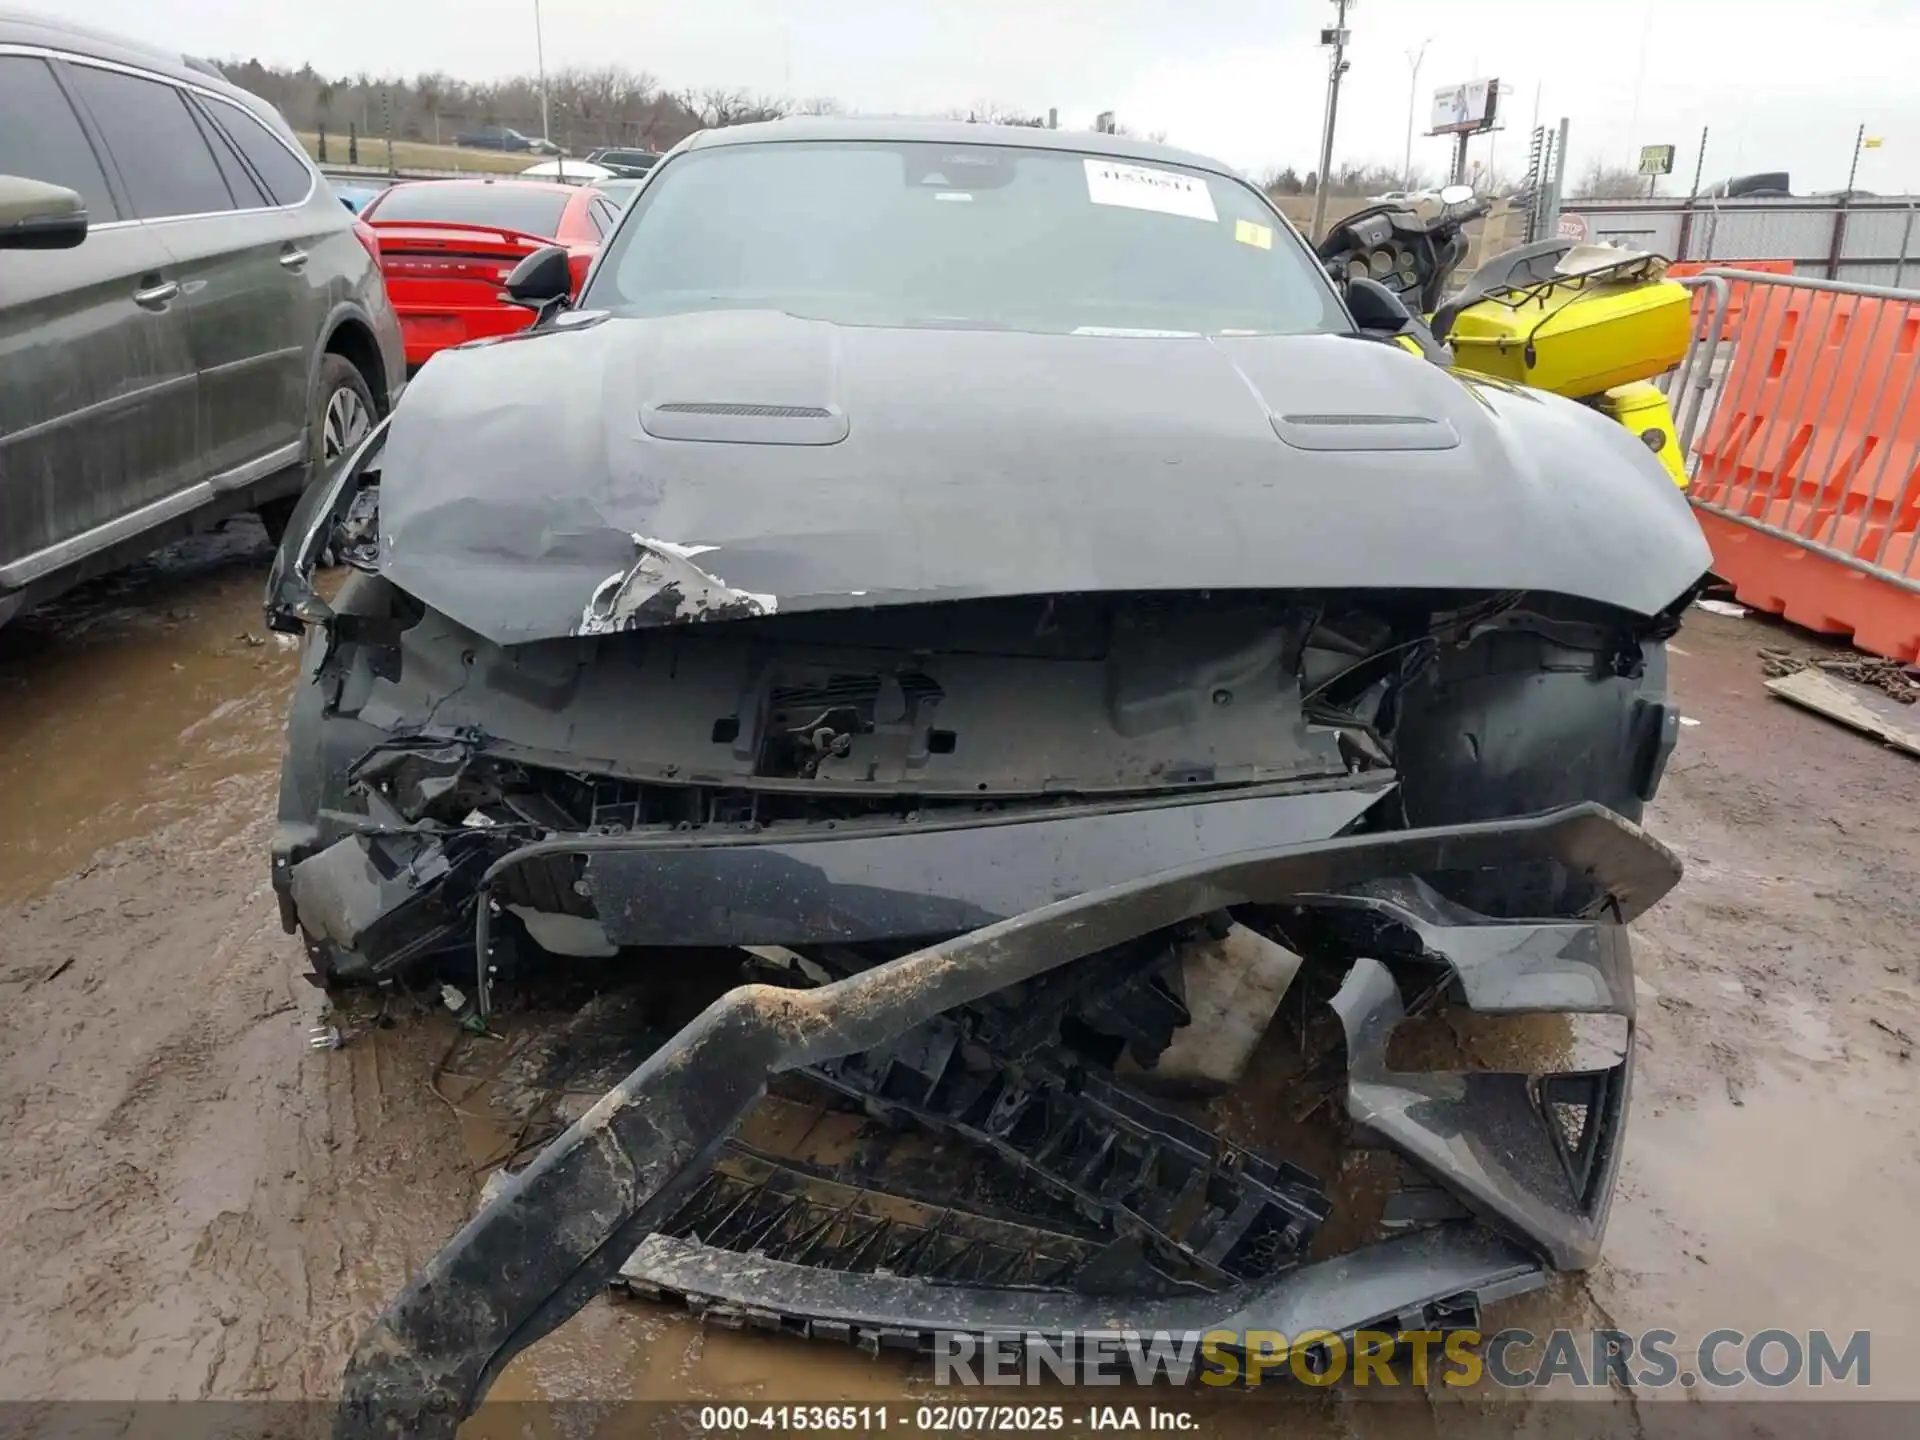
(1872, 142)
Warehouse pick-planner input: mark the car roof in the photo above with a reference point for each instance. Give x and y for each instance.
(953, 132)
(478, 183)
(25, 27)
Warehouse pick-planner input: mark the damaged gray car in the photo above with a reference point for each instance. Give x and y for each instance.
(984, 609)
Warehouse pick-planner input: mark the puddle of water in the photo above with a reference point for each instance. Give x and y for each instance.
(134, 703)
(1778, 1183)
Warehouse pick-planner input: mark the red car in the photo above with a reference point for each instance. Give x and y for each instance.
(447, 245)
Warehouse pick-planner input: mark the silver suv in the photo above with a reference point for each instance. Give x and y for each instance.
(190, 322)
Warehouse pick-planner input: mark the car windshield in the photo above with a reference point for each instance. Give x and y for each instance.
(967, 235)
(529, 210)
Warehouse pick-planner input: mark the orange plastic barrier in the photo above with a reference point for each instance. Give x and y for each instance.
(1816, 434)
(1738, 291)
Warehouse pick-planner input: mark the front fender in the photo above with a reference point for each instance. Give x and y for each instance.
(292, 603)
(1606, 481)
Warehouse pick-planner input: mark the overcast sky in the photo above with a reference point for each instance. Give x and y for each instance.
(1781, 86)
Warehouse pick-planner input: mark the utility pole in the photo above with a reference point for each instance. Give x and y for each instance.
(1853, 170)
(1337, 38)
(1414, 58)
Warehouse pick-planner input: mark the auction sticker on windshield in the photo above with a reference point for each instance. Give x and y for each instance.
(1139, 188)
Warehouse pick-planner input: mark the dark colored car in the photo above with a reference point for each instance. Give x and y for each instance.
(446, 247)
(973, 614)
(190, 322)
(628, 164)
(501, 137)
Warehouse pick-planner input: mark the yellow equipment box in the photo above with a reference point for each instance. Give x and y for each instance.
(1643, 409)
(1576, 335)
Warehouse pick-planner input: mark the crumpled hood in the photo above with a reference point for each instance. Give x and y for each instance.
(617, 472)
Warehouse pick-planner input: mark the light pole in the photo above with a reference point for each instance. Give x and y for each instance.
(1337, 38)
(540, 58)
(1414, 59)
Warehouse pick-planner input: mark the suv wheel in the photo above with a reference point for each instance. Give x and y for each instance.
(343, 412)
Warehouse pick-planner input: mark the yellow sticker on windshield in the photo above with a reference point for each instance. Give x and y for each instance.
(1248, 233)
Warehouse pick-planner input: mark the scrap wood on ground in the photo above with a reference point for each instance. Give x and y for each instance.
(1901, 682)
(1862, 691)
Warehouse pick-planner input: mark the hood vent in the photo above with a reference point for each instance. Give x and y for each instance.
(1365, 432)
(734, 422)
(759, 412)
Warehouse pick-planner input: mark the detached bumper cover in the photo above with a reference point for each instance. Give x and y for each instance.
(567, 1226)
(379, 898)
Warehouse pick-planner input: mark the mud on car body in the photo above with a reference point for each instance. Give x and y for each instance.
(1002, 602)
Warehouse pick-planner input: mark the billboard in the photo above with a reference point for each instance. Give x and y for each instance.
(1465, 109)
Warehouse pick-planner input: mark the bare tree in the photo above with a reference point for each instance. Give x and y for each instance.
(718, 108)
(594, 105)
(1282, 182)
(1601, 181)
(1365, 178)
(431, 91)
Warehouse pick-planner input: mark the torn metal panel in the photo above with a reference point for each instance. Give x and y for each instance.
(563, 1229)
(664, 587)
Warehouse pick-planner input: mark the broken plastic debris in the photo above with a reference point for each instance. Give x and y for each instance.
(1688, 720)
(1724, 607)
(664, 586)
(325, 1037)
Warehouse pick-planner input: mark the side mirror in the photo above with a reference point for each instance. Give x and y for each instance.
(542, 281)
(1376, 309)
(37, 216)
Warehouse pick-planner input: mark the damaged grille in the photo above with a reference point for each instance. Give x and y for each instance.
(752, 1204)
(1086, 1185)
(1196, 1209)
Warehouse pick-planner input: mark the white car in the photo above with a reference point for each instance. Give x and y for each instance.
(573, 172)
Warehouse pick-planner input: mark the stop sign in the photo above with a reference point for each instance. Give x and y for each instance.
(1574, 228)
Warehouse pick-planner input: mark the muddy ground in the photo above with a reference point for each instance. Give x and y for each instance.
(198, 1206)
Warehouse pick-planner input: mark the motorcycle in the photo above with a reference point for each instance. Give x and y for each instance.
(1594, 323)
